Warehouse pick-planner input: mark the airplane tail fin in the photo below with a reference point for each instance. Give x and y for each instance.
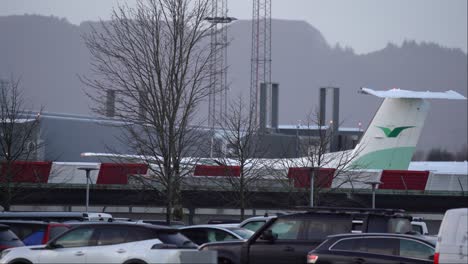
(390, 140)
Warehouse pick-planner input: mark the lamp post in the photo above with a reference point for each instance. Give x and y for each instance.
(87, 170)
(298, 126)
(374, 184)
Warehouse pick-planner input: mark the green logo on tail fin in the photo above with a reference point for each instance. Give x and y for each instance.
(391, 133)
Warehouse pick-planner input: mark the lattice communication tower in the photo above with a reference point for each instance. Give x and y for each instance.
(261, 51)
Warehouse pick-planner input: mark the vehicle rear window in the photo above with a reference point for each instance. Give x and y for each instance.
(7, 235)
(177, 239)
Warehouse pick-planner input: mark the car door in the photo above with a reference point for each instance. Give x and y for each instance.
(111, 245)
(71, 247)
(283, 249)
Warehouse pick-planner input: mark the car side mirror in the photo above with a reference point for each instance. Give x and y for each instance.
(268, 235)
(51, 245)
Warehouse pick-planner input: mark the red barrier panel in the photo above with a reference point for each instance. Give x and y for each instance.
(206, 170)
(27, 171)
(117, 173)
(404, 180)
(301, 177)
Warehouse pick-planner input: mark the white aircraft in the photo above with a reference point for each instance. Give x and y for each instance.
(388, 143)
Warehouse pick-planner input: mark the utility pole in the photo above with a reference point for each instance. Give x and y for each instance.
(88, 180)
(373, 184)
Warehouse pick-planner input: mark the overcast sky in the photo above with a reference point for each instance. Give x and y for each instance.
(364, 25)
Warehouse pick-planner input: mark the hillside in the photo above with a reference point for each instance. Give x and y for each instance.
(49, 55)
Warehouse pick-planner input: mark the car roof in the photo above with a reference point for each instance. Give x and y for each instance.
(215, 226)
(348, 211)
(255, 218)
(36, 222)
(354, 235)
(124, 224)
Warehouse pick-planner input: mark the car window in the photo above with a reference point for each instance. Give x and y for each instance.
(244, 233)
(80, 237)
(344, 244)
(7, 235)
(286, 228)
(24, 230)
(417, 228)
(111, 236)
(55, 231)
(34, 238)
(384, 246)
(215, 235)
(177, 239)
(415, 249)
(319, 229)
(196, 235)
(254, 225)
(139, 234)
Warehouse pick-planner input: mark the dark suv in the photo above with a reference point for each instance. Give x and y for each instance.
(374, 248)
(288, 238)
(35, 232)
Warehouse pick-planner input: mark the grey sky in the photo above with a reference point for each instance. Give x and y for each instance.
(364, 25)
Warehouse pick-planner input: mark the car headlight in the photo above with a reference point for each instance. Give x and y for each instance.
(4, 253)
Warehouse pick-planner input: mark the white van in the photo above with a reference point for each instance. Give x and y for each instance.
(452, 241)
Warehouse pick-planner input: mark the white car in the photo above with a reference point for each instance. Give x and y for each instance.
(112, 243)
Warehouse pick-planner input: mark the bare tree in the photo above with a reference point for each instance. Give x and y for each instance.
(18, 139)
(317, 168)
(155, 59)
(240, 150)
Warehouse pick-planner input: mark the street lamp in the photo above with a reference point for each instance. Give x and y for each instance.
(374, 184)
(298, 126)
(88, 180)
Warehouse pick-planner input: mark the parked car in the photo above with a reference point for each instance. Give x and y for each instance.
(112, 243)
(201, 234)
(8, 239)
(35, 232)
(288, 238)
(381, 248)
(452, 241)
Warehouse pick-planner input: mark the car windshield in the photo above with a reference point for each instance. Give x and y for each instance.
(244, 233)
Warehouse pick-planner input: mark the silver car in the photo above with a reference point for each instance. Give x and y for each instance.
(201, 234)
